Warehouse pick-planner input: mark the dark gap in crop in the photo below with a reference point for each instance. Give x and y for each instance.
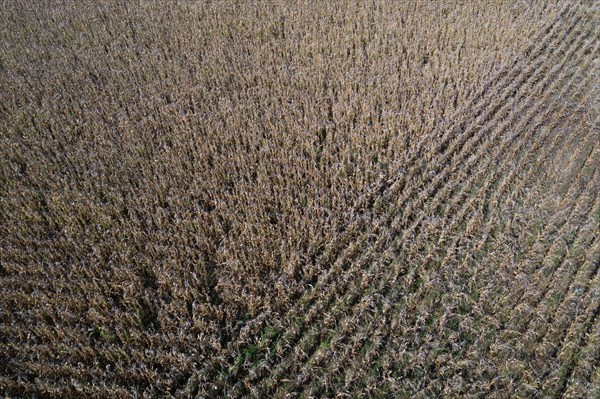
(179, 379)
(3, 271)
(149, 316)
(149, 280)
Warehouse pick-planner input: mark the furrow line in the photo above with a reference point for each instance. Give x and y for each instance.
(455, 358)
(413, 226)
(474, 158)
(484, 189)
(547, 225)
(558, 285)
(561, 227)
(574, 341)
(386, 193)
(582, 279)
(324, 279)
(581, 383)
(489, 90)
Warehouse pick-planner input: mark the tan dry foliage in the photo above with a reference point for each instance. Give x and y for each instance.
(170, 169)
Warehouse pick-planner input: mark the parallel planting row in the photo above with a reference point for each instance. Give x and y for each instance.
(307, 199)
(430, 273)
